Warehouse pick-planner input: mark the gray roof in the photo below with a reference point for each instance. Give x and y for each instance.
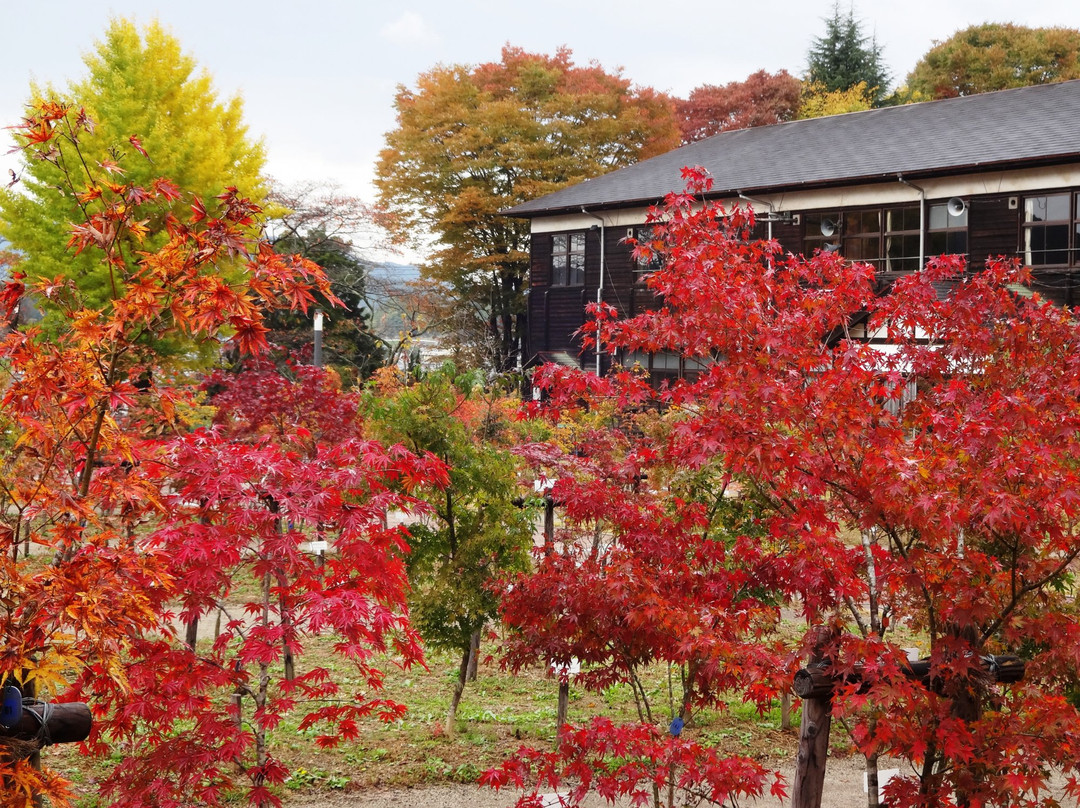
(1039, 124)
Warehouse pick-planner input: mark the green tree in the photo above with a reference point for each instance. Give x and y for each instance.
(996, 56)
(318, 222)
(471, 141)
(142, 92)
(844, 56)
(476, 533)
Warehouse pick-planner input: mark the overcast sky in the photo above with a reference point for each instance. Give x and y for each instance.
(318, 76)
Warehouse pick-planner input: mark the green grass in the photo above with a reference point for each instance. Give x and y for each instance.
(498, 713)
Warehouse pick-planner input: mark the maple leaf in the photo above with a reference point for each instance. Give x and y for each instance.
(110, 167)
(137, 145)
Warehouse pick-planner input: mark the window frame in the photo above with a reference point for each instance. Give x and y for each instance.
(884, 236)
(643, 233)
(567, 276)
(1070, 224)
(949, 232)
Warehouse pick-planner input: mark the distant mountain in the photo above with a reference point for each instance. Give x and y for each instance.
(394, 273)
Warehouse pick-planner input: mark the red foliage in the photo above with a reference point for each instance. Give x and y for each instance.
(629, 762)
(139, 516)
(953, 453)
(759, 100)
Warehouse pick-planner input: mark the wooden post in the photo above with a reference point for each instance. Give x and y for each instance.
(563, 708)
(815, 685)
(191, 633)
(549, 522)
(63, 723)
(813, 737)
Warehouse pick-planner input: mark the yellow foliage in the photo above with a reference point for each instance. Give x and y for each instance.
(817, 102)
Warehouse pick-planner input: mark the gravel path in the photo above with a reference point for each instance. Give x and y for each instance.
(843, 789)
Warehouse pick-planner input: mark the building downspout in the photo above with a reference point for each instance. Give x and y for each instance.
(769, 205)
(600, 285)
(922, 219)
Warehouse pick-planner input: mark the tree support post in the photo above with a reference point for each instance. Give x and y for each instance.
(813, 737)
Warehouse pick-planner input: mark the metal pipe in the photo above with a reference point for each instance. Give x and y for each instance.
(317, 353)
(771, 207)
(600, 285)
(922, 218)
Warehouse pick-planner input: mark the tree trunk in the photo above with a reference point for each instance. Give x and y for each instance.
(287, 630)
(871, 781)
(191, 633)
(967, 706)
(29, 692)
(813, 741)
(459, 688)
(563, 709)
(474, 655)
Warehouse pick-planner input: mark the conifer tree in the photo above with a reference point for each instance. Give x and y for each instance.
(844, 56)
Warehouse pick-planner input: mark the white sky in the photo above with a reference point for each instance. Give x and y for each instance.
(318, 77)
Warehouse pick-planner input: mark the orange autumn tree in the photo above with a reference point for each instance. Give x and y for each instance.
(109, 513)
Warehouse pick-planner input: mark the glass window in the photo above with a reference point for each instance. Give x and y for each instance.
(888, 238)
(947, 231)
(822, 232)
(862, 236)
(901, 239)
(568, 259)
(1047, 224)
(644, 236)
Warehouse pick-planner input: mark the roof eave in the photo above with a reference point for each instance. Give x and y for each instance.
(965, 168)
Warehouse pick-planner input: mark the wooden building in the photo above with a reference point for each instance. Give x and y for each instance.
(985, 175)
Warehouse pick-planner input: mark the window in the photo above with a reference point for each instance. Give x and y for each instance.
(665, 363)
(568, 259)
(888, 238)
(862, 236)
(946, 232)
(643, 235)
(1047, 222)
(901, 239)
(822, 232)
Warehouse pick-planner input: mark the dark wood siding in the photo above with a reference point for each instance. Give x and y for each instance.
(556, 313)
(619, 270)
(789, 235)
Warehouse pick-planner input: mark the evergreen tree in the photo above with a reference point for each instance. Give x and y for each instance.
(844, 56)
(348, 342)
(339, 232)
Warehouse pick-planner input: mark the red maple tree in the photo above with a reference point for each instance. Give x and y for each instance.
(144, 521)
(910, 449)
(760, 99)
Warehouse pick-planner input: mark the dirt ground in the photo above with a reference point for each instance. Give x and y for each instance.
(843, 789)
